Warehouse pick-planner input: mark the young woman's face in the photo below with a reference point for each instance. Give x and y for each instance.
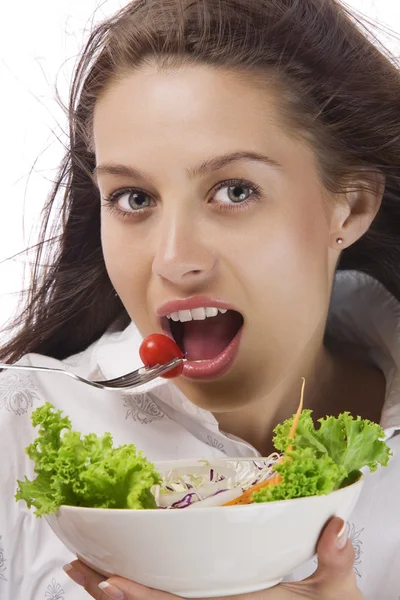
(214, 206)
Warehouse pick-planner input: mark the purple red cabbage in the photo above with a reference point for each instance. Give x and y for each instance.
(256, 466)
(216, 493)
(185, 501)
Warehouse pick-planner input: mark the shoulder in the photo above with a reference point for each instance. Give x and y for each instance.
(18, 392)
(21, 391)
(24, 539)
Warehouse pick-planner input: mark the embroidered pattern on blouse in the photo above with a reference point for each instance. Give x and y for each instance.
(54, 591)
(214, 443)
(17, 393)
(354, 537)
(142, 409)
(2, 563)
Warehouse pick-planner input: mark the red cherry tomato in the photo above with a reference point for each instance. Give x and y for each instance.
(158, 349)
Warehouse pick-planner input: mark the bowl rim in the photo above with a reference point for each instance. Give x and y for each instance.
(253, 506)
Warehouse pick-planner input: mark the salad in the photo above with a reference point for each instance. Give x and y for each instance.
(87, 470)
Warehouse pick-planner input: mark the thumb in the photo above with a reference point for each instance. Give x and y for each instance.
(335, 558)
(335, 551)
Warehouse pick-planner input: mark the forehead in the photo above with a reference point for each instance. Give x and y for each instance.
(203, 99)
(165, 122)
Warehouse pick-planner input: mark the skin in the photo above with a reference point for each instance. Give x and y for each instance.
(273, 259)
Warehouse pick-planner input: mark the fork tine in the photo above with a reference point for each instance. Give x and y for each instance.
(134, 380)
(140, 377)
(135, 376)
(127, 382)
(162, 369)
(121, 380)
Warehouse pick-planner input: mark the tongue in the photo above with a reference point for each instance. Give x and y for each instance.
(203, 340)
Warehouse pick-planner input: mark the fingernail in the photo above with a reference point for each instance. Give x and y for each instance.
(74, 574)
(111, 590)
(342, 537)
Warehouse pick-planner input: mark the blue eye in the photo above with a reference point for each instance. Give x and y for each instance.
(132, 200)
(234, 193)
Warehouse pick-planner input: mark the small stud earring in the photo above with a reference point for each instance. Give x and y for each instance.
(339, 241)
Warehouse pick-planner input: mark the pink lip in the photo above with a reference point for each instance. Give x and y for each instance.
(215, 367)
(188, 303)
(205, 369)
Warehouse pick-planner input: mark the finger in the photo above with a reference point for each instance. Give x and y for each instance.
(335, 551)
(86, 577)
(114, 587)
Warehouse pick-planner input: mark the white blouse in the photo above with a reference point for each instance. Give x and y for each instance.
(164, 424)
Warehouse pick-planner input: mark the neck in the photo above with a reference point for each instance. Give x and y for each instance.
(334, 383)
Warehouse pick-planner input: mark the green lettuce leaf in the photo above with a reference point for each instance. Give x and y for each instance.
(303, 475)
(356, 444)
(352, 442)
(83, 471)
(325, 458)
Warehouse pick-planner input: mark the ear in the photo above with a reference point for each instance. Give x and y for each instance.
(354, 213)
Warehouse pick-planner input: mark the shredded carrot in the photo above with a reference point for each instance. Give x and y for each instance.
(246, 497)
(296, 419)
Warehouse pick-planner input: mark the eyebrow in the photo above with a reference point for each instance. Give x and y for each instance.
(204, 168)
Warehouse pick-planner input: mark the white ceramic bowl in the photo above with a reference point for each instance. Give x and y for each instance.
(203, 552)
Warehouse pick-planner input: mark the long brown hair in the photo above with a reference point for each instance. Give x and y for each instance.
(339, 90)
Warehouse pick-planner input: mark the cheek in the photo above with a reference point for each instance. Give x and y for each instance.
(114, 249)
(289, 273)
(288, 247)
(126, 264)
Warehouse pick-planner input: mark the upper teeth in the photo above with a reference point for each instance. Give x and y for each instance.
(195, 314)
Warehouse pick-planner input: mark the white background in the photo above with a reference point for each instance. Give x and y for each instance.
(39, 42)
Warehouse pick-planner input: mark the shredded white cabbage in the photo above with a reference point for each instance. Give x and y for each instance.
(211, 484)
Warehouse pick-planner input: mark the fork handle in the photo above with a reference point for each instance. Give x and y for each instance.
(50, 370)
(31, 368)
(94, 384)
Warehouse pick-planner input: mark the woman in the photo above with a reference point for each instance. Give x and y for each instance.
(234, 155)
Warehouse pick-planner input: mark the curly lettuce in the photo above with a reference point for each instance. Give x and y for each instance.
(83, 471)
(324, 459)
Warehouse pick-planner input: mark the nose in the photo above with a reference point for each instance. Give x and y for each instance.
(183, 255)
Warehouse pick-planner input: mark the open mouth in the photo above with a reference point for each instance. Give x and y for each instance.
(203, 334)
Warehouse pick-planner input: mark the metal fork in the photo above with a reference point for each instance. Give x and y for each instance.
(124, 382)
